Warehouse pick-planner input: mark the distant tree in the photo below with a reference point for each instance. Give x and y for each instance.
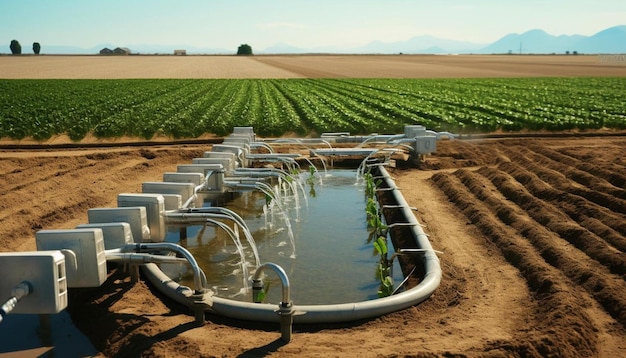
(36, 48)
(244, 49)
(16, 48)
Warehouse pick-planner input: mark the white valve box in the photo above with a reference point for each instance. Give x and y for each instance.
(44, 271)
(155, 205)
(239, 152)
(241, 141)
(199, 168)
(412, 131)
(136, 217)
(185, 190)
(173, 201)
(214, 171)
(227, 163)
(248, 131)
(86, 248)
(227, 155)
(235, 148)
(194, 178)
(116, 234)
(425, 145)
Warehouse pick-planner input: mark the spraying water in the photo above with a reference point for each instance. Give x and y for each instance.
(271, 193)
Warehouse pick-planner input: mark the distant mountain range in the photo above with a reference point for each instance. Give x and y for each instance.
(611, 40)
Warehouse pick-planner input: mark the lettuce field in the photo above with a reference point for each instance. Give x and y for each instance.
(189, 108)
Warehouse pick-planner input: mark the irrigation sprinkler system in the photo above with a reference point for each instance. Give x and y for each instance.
(134, 233)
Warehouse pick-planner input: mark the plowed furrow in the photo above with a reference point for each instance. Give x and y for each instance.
(55, 173)
(591, 182)
(554, 201)
(25, 217)
(590, 177)
(557, 304)
(600, 156)
(594, 278)
(594, 161)
(472, 152)
(611, 174)
(546, 183)
(28, 178)
(597, 190)
(561, 177)
(542, 211)
(549, 216)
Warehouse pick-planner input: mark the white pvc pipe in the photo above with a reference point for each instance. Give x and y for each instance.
(142, 258)
(282, 275)
(199, 277)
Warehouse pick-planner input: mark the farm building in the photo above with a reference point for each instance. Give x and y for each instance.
(121, 51)
(117, 51)
(180, 52)
(106, 51)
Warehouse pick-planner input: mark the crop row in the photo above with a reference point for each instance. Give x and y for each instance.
(189, 108)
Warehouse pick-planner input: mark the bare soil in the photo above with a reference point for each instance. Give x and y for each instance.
(307, 66)
(533, 232)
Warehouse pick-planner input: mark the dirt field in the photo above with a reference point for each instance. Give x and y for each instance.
(533, 229)
(318, 66)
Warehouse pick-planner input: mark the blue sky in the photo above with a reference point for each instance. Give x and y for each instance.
(301, 23)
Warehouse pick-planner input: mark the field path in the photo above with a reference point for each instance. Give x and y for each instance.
(472, 274)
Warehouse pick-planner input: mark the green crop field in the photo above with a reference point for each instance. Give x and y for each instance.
(182, 108)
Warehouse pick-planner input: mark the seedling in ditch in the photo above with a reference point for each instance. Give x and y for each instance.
(384, 268)
(386, 287)
(311, 181)
(378, 231)
(374, 222)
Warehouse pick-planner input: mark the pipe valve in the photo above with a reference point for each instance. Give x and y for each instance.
(258, 292)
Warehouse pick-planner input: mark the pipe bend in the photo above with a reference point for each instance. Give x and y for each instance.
(199, 277)
(282, 275)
